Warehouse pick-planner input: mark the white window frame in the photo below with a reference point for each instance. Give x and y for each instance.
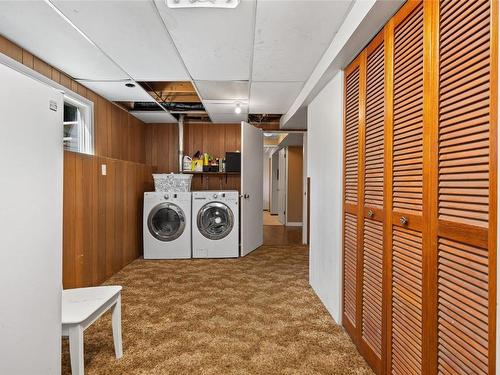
(85, 128)
(85, 105)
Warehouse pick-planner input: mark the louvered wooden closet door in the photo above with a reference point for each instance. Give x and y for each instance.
(406, 180)
(466, 210)
(420, 192)
(373, 205)
(351, 201)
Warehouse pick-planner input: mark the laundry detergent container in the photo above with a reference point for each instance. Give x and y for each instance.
(172, 182)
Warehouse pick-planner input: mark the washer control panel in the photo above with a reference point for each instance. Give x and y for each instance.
(170, 196)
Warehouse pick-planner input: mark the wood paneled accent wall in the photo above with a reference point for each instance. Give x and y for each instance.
(420, 191)
(295, 184)
(162, 147)
(102, 214)
(216, 139)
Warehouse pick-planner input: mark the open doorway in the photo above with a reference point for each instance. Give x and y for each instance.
(283, 188)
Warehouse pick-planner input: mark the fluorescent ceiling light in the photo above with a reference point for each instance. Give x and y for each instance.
(202, 3)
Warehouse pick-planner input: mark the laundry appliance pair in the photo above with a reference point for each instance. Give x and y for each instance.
(200, 224)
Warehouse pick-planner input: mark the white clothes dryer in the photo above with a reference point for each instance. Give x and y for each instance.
(215, 224)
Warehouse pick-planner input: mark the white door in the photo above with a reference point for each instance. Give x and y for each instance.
(282, 186)
(251, 188)
(31, 194)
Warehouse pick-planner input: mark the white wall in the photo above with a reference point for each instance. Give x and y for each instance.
(325, 157)
(266, 182)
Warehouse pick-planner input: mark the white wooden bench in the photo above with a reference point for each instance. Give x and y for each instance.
(83, 306)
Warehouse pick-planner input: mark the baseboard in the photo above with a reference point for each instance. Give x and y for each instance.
(294, 224)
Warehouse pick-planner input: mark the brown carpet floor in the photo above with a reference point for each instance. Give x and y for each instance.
(254, 315)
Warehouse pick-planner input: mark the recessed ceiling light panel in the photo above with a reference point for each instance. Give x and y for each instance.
(237, 109)
(202, 3)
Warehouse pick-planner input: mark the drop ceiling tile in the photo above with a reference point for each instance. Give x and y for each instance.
(117, 91)
(273, 97)
(132, 34)
(227, 118)
(36, 27)
(158, 117)
(223, 107)
(291, 37)
(215, 44)
(223, 90)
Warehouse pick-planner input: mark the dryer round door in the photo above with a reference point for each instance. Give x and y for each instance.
(215, 220)
(166, 222)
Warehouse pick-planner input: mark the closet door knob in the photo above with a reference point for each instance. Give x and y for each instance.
(370, 214)
(403, 220)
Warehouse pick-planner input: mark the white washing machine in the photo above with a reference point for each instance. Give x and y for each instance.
(215, 224)
(167, 225)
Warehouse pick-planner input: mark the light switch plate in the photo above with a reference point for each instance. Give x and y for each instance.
(104, 169)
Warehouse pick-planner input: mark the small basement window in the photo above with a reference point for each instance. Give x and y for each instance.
(78, 129)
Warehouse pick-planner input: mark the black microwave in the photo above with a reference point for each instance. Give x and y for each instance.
(233, 162)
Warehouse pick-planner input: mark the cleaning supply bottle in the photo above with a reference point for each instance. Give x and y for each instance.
(187, 163)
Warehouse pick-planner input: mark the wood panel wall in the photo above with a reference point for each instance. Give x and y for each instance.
(162, 147)
(420, 191)
(118, 135)
(295, 184)
(216, 139)
(102, 214)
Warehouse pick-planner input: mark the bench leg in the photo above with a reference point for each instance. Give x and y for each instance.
(76, 350)
(116, 317)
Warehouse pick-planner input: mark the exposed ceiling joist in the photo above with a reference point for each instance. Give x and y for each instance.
(170, 92)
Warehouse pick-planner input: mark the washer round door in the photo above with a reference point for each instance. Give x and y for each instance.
(215, 220)
(166, 222)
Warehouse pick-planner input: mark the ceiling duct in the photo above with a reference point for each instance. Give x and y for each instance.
(183, 107)
(171, 107)
(146, 106)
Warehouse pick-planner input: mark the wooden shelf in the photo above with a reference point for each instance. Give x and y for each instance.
(212, 173)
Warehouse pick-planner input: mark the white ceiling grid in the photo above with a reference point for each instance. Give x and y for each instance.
(223, 90)
(258, 54)
(131, 33)
(36, 27)
(117, 92)
(290, 38)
